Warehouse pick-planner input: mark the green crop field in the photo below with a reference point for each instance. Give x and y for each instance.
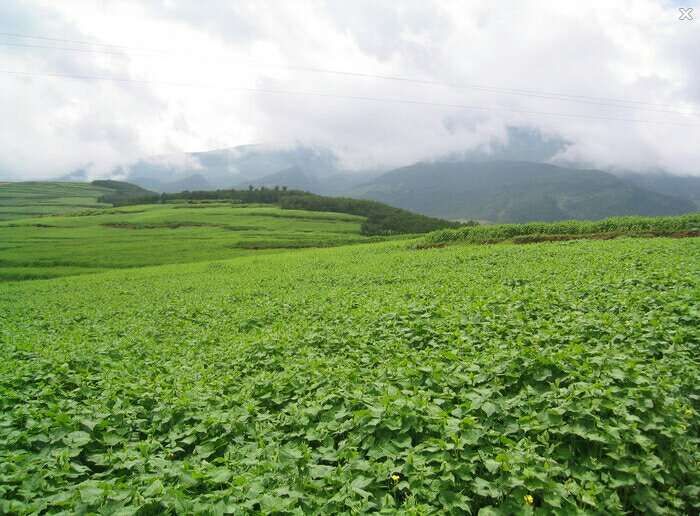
(137, 236)
(29, 199)
(553, 378)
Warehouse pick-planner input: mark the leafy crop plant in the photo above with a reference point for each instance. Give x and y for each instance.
(555, 378)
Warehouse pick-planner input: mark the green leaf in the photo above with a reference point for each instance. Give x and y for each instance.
(91, 494)
(77, 438)
(491, 465)
(155, 489)
(489, 408)
(320, 471)
(220, 475)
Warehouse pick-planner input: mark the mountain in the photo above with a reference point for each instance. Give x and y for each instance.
(293, 177)
(685, 187)
(226, 168)
(298, 179)
(506, 182)
(515, 191)
(193, 182)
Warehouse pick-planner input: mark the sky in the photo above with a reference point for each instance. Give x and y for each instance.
(97, 83)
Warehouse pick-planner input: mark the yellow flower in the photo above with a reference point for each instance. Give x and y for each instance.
(529, 499)
(395, 477)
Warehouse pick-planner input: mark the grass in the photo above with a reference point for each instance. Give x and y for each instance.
(39, 198)
(137, 236)
(555, 378)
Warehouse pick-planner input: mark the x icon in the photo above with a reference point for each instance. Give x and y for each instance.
(686, 13)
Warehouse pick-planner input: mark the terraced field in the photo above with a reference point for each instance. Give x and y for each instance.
(100, 239)
(553, 378)
(30, 199)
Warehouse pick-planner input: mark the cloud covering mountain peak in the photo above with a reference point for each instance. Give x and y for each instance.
(618, 84)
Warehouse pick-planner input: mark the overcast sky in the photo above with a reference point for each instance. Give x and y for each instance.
(199, 75)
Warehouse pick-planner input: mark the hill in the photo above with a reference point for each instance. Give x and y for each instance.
(138, 236)
(516, 192)
(120, 191)
(35, 198)
(380, 218)
(551, 378)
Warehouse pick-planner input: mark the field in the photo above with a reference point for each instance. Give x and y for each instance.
(135, 236)
(29, 199)
(553, 378)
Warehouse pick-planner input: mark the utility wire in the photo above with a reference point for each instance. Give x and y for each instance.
(77, 42)
(345, 97)
(603, 101)
(85, 50)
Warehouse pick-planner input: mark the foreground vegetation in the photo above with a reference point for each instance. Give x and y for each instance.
(682, 225)
(555, 378)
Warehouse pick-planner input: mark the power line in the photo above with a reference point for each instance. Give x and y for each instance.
(86, 50)
(345, 97)
(77, 42)
(602, 101)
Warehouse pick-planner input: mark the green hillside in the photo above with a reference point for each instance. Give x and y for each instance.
(179, 228)
(507, 191)
(137, 236)
(30, 199)
(38, 198)
(380, 218)
(557, 378)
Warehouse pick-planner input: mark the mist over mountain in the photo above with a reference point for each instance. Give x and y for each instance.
(518, 144)
(339, 183)
(226, 168)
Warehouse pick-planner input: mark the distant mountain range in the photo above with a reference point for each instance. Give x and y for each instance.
(222, 168)
(466, 186)
(516, 191)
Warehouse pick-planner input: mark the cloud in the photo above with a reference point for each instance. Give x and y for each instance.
(199, 71)
(175, 161)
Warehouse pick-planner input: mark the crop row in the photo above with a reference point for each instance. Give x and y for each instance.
(616, 226)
